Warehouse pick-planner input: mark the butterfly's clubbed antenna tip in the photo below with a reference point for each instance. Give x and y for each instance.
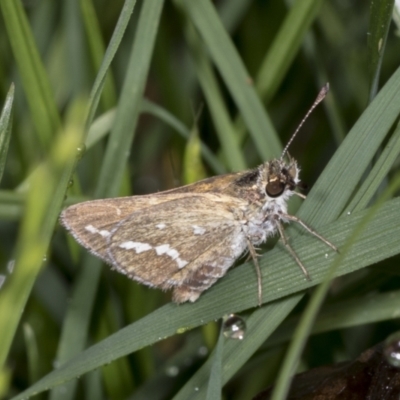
(321, 95)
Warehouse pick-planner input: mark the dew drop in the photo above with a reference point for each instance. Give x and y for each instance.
(326, 255)
(380, 44)
(70, 183)
(234, 327)
(391, 350)
(179, 331)
(172, 371)
(202, 351)
(348, 212)
(81, 150)
(196, 389)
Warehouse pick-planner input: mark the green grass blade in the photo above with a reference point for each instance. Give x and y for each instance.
(380, 19)
(34, 78)
(128, 109)
(223, 124)
(223, 53)
(96, 47)
(308, 318)
(378, 173)
(74, 338)
(232, 12)
(174, 123)
(43, 204)
(112, 48)
(193, 169)
(33, 354)
(117, 377)
(344, 314)
(102, 125)
(215, 379)
(5, 128)
(339, 179)
(260, 325)
(285, 47)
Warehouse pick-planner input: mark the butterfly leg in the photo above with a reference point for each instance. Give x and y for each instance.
(308, 229)
(253, 254)
(301, 195)
(290, 249)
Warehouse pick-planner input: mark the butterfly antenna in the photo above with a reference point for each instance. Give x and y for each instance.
(321, 95)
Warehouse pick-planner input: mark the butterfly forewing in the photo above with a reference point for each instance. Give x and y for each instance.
(180, 243)
(91, 222)
(186, 244)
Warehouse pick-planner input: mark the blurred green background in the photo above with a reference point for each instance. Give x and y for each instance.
(109, 98)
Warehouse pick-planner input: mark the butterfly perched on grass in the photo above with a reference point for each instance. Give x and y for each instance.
(185, 239)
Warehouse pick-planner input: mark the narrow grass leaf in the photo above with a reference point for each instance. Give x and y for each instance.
(124, 18)
(380, 19)
(5, 382)
(339, 179)
(286, 45)
(224, 127)
(214, 388)
(6, 128)
(73, 338)
(96, 47)
(282, 52)
(261, 323)
(117, 377)
(193, 168)
(303, 330)
(223, 53)
(93, 385)
(103, 124)
(232, 12)
(378, 173)
(344, 314)
(174, 123)
(32, 352)
(43, 205)
(128, 109)
(33, 75)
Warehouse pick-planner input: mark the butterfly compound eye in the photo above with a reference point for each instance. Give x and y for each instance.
(274, 188)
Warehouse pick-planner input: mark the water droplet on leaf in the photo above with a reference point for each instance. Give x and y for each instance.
(81, 151)
(202, 351)
(391, 350)
(172, 371)
(234, 327)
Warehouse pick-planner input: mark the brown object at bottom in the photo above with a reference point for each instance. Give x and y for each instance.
(368, 377)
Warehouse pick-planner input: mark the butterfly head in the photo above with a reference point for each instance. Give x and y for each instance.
(279, 177)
